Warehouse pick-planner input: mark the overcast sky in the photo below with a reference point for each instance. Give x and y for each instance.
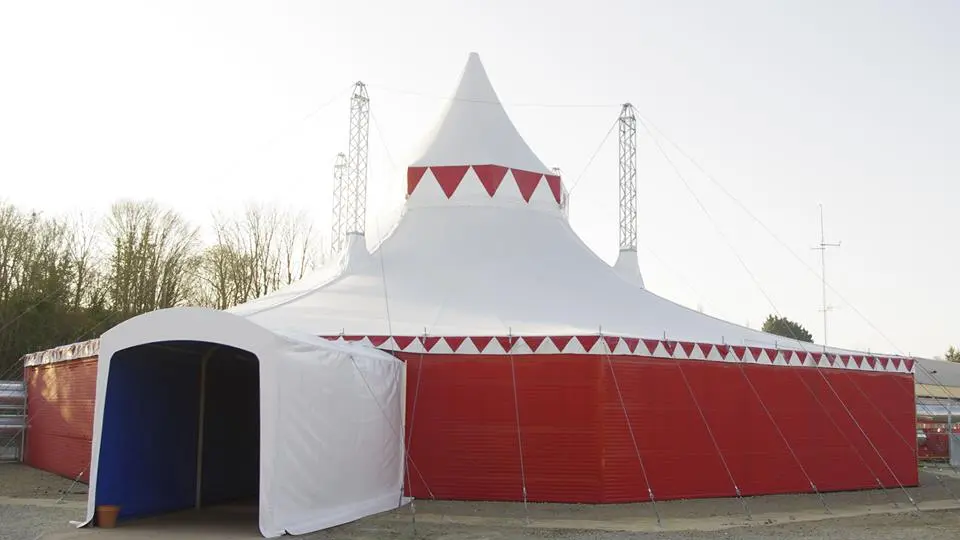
(206, 105)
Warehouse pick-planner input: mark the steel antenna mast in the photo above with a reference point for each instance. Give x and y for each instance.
(628, 178)
(350, 173)
(822, 248)
(356, 180)
(337, 233)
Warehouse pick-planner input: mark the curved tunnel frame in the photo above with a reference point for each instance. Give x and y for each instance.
(117, 378)
(181, 428)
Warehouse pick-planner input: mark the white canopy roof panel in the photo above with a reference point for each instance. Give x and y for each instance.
(483, 248)
(475, 130)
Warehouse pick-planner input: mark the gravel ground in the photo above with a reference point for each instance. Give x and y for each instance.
(927, 525)
(20, 485)
(29, 510)
(24, 482)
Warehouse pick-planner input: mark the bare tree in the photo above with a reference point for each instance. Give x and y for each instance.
(153, 257)
(300, 246)
(36, 280)
(67, 279)
(256, 252)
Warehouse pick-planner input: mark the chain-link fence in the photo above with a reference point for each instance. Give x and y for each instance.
(13, 419)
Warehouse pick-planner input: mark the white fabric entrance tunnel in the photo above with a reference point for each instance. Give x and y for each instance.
(182, 392)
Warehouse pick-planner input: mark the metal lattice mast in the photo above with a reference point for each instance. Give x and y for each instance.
(355, 182)
(628, 178)
(337, 233)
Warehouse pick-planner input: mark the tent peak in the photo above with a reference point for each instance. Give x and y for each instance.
(475, 155)
(474, 129)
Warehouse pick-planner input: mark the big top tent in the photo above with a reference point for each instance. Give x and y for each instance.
(534, 364)
(535, 371)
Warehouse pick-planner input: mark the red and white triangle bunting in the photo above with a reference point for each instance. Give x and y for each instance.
(621, 346)
(494, 181)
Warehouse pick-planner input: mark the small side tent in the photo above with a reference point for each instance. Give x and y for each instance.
(197, 407)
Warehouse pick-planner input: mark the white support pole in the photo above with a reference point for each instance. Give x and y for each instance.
(200, 426)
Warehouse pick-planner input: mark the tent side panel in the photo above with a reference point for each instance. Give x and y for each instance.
(669, 449)
(60, 406)
(148, 444)
(464, 439)
(776, 429)
(884, 406)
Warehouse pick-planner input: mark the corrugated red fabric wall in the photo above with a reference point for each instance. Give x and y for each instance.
(771, 429)
(60, 405)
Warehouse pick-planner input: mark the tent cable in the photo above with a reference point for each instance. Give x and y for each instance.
(649, 124)
(408, 440)
(603, 142)
(770, 301)
(857, 451)
(511, 341)
(713, 439)
(753, 277)
(633, 436)
(887, 420)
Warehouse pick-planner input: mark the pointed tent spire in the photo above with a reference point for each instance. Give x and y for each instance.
(474, 129)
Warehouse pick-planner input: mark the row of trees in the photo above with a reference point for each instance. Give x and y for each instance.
(63, 280)
(67, 279)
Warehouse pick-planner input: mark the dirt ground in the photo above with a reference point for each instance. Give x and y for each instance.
(28, 483)
(30, 508)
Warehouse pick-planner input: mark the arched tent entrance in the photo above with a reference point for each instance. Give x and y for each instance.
(181, 427)
(197, 406)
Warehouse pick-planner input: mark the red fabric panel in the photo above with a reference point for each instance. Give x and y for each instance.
(577, 446)
(491, 176)
(60, 406)
(527, 182)
(554, 182)
(679, 458)
(449, 177)
(414, 175)
(463, 427)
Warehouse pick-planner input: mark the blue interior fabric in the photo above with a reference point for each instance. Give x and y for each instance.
(149, 440)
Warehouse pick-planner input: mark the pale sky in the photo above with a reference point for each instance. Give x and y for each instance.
(206, 105)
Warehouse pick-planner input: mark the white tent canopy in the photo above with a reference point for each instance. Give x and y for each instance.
(483, 248)
(330, 421)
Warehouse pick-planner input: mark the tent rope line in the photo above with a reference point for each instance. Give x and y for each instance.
(384, 413)
(409, 439)
(938, 399)
(647, 124)
(633, 436)
(592, 157)
(783, 436)
(516, 410)
(772, 304)
(713, 440)
(863, 432)
(893, 428)
(859, 454)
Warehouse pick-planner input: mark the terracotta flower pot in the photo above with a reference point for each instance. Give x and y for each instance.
(107, 515)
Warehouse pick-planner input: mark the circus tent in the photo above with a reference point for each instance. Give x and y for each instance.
(516, 334)
(535, 371)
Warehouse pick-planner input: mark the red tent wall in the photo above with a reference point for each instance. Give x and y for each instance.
(774, 427)
(60, 405)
